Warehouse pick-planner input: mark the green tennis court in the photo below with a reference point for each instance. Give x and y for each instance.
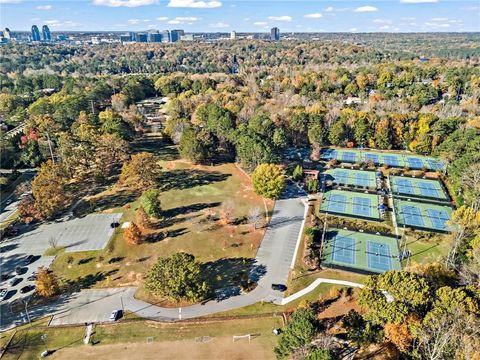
(417, 187)
(411, 161)
(422, 215)
(360, 251)
(365, 179)
(349, 203)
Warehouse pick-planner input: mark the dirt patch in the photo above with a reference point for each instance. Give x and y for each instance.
(339, 308)
(216, 348)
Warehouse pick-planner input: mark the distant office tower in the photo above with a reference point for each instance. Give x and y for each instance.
(154, 37)
(133, 36)
(61, 37)
(46, 33)
(7, 34)
(125, 38)
(233, 35)
(141, 37)
(176, 34)
(275, 34)
(35, 33)
(165, 36)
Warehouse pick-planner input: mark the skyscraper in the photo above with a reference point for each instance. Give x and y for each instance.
(165, 36)
(154, 36)
(176, 34)
(7, 34)
(35, 33)
(141, 37)
(275, 34)
(233, 35)
(46, 33)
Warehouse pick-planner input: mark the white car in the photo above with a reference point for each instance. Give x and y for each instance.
(3, 294)
(115, 315)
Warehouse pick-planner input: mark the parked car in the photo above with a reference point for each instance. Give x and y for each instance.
(279, 287)
(29, 259)
(5, 277)
(26, 289)
(14, 281)
(115, 315)
(18, 270)
(32, 277)
(114, 225)
(3, 294)
(8, 202)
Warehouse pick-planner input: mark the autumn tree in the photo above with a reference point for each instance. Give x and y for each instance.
(268, 181)
(47, 283)
(142, 218)
(48, 189)
(399, 335)
(150, 201)
(141, 171)
(133, 234)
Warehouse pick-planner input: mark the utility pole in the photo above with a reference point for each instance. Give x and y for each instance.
(25, 303)
(50, 146)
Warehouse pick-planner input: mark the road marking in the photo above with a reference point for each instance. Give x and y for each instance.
(179, 313)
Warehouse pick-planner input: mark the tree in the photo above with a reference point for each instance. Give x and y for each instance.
(312, 186)
(27, 210)
(227, 211)
(268, 181)
(48, 189)
(133, 234)
(47, 283)
(297, 335)
(297, 173)
(399, 335)
(150, 201)
(113, 123)
(321, 354)
(191, 148)
(471, 186)
(141, 171)
(177, 278)
(254, 217)
(337, 133)
(142, 219)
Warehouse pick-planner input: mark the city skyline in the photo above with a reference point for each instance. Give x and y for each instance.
(227, 15)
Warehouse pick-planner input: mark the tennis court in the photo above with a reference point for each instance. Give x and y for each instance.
(415, 162)
(353, 204)
(422, 215)
(359, 178)
(417, 187)
(360, 252)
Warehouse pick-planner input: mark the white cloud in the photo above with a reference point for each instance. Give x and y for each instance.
(353, 29)
(126, 3)
(439, 19)
(61, 24)
(280, 18)
(44, 7)
(417, 1)
(407, 18)
(194, 4)
(367, 8)
(384, 27)
(162, 18)
(10, 1)
(183, 20)
(436, 25)
(313, 16)
(329, 9)
(219, 25)
(260, 23)
(382, 21)
(133, 21)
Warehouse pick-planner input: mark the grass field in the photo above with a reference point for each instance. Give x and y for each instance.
(173, 339)
(192, 198)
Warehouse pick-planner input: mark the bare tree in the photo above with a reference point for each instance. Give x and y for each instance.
(53, 241)
(255, 217)
(227, 211)
(471, 184)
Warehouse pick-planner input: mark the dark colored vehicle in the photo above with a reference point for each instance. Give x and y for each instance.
(114, 225)
(5, 277)
(14, 281)
(26, 289)
(279, 287)
(29, 259)
(115, 315)
(32, 277)
(18, 270)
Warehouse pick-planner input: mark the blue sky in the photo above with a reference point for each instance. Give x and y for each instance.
(244, 15)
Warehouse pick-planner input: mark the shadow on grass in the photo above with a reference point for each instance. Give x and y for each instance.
(185, 179)
(181, 210)
(118, 199)
(159, 146)
(89, 280)
(231, 272)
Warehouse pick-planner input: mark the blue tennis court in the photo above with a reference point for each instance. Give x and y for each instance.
(411, 215)
(341, 177)
(429, 190)
(337, 203)
(362, 180)
(344, 250)
(378, 256)
(391, 160)
(404, 186)
(435, 164)
(371, 158)
(329, 154)
(349, 156)
(438, 218)
(362, 206)
(415, 163)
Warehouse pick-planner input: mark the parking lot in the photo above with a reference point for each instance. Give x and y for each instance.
(91, 232)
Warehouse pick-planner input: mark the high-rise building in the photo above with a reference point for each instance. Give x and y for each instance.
(46, 33)
(187, 37)
(233, 35)
(176, 34)
(125, 38)
(35, 33)
(275, 34)
(133, 36)
(141, 37)
(165, 36)
(154, 37)
(7, 34)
